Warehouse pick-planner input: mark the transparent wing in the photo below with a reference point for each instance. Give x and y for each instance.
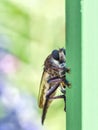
(44, 86)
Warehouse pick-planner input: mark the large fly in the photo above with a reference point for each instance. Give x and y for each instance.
(54, 76)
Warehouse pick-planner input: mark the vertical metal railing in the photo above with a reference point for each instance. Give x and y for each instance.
(73, 47)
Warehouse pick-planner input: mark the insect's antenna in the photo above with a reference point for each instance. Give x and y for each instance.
(63, 47)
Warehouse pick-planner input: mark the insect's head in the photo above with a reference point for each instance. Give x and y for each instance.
(59, 56)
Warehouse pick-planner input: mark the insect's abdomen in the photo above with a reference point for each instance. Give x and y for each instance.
(45, 108)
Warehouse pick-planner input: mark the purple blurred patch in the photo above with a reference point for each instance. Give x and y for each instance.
(20, 108)
(8, 62)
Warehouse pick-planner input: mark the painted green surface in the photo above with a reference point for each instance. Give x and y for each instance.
(90, 65)
(74, 62)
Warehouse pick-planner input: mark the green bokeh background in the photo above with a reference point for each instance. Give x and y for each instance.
(34, 28)
(90, 65)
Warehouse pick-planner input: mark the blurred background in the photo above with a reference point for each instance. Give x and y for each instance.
(29, 31)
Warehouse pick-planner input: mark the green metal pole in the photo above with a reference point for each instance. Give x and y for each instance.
(73, 47)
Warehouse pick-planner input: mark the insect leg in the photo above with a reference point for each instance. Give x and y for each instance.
(56, 97)
(47, 99)
(60, 97)
(49, 93)
(67, 70)
(52, 90)
(55, 80)
(62, 90)
(67, 82)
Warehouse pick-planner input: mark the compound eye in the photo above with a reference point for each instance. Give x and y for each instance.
(55, 54)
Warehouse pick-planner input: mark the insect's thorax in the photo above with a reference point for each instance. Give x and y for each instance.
(54, 68)
(53, 72)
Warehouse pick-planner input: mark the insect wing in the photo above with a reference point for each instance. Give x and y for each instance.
(44, 86)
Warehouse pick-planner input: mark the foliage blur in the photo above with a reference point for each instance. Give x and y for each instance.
(29, 31)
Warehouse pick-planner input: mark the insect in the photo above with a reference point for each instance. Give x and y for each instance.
(53, 77)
